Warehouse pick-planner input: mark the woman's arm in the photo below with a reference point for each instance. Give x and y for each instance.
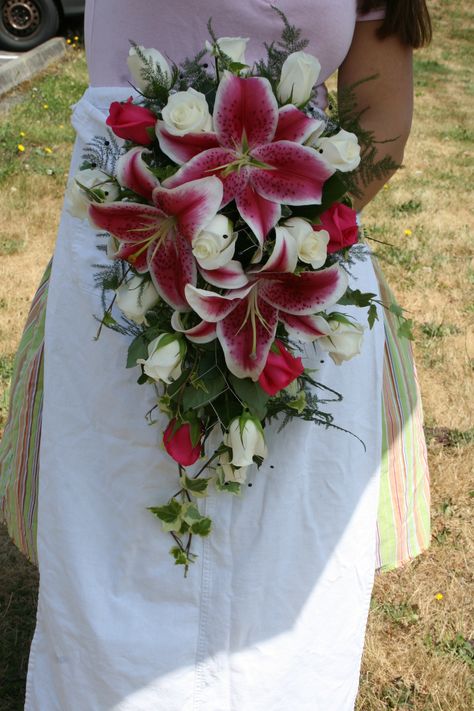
(388, 99)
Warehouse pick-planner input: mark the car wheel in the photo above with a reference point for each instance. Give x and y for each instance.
(26, 23)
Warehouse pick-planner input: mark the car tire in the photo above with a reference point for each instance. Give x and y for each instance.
(24, 24)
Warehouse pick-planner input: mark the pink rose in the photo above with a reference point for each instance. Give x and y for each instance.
(340, 221)
(280, 369)
(131, 122)
(178, 443)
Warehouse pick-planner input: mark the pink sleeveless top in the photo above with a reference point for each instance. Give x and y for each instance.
(178, 29)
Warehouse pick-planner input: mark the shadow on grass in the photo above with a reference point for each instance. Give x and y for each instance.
(18, 594)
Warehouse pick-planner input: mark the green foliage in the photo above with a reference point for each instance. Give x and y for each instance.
(291, 41)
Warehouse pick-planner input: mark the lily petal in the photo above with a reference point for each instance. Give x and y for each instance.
(128, 221)
(193, 204)
(203, 332)
(305, 293)
(127, 251)
(284, 257)
(172, 267)
(230, 276)
(305, 328)
(246, 340)
(213, 307)
(259, 213)
(245, 111)
(295, 175)
(208, 163)
(294, 125)
(182, 148)
(132, 172)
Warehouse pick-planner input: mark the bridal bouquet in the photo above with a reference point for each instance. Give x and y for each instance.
(229, 233)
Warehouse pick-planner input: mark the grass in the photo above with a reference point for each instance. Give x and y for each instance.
(419, 645)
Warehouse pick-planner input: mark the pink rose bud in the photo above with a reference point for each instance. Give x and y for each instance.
(280, 369)
(178, 443)
(131, 122)
(340, 221)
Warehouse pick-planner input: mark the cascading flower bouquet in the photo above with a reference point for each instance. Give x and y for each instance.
(229, 228)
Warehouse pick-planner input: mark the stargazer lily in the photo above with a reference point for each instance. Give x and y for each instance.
(255, 151)
(247, 318)
(158, 237)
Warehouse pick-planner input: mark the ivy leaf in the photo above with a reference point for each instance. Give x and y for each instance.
(191, 514)
(231, 487)
(169, 515)
(180, 557)
(198, 487)
(138, 349)
(252, 395)
(394, 308)
(373, 315)
(356, 297)
(405, 329)
(204, 390)
(202, 527)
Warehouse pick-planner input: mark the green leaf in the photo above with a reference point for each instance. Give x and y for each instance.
(142, 379)
(202, 527)
(373, 315)
(138, 349)
(108, 320)
(169, 515)
(198, 487)
(203, 390)
(173, 388)
(252, 395)
(396, 309)
(405, 329)
(180, 557)
(356, 297)
(231, 487)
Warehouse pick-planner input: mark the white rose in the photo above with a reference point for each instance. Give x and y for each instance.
(77, 199)
(245, 437)
(233, 47)
(135, 297)
(341, 151)
(136, 65)
(214, 247)
(344, 342)
(299, 74)
(165, 355)
(186, 112)
(231, 473)
(311, 245)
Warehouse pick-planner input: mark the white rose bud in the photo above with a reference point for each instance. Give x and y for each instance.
(245, 437)
(231, 473)
(186, 112)
(165, 356)
(135, 297)
(341, 151)
(136, 65)
(299, 74)
(344, 341)
(78, 200)
(233, 47)
(311, 245)
(214, 247)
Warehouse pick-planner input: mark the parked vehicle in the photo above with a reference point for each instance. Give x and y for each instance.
(26, 23)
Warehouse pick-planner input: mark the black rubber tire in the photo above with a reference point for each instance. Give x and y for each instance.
(24, 24)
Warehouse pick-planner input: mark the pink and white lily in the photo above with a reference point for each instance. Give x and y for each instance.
(246, 319)
(158, 237)
(255, 151)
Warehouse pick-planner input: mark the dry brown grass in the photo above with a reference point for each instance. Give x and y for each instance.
(419, 649)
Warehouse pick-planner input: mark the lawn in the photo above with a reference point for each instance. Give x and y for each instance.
(419, 653)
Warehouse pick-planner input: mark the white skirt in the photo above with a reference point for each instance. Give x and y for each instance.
(273, 612)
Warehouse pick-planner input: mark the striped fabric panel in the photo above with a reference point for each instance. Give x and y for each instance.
(19, 448)
(403, 523)
(403, 528)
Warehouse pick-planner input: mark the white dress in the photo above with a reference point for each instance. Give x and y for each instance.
(272, 614)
